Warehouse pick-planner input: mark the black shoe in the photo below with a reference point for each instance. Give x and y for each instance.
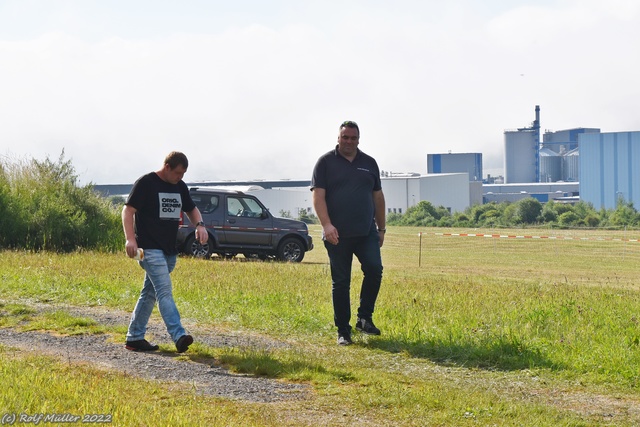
(367, 327)
(183, 343)
(344, 338)
(140, 345)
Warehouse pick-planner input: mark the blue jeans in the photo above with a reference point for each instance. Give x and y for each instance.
(157, 286)
(367, 250)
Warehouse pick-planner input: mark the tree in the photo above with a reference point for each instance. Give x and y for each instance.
(422, 214)
(624, 214)
(549, 213)
(307, 217)
(528, 210)
(568, 219)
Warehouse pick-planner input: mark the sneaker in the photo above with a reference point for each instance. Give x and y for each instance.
(140, 345)
(367, 327)
(183, 343)
(344, 338)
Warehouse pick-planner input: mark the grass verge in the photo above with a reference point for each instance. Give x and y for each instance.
(475, 331)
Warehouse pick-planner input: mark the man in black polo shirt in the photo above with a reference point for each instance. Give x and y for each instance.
(348, 200)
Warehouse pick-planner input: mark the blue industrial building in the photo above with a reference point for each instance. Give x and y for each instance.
(470, 163)
(609, 168)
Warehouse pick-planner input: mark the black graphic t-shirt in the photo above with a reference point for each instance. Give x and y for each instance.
(158, 205)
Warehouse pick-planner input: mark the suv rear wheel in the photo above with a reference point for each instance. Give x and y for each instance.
(290, 249)
(194, 248)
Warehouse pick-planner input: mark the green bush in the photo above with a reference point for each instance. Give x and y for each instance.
(528, 210)
(568, 219)
(43, 208)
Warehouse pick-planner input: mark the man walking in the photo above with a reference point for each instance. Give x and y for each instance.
(348, 200)
(150, 219)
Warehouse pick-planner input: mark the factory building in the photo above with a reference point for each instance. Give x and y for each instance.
(555, 159)
(567, 166)
(609, 168)
(471, 163)
(564, 141)
(521, 156)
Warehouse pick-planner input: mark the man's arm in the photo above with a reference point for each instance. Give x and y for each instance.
(195, 217)
(329, 232)
(131, 245)
(381, 214)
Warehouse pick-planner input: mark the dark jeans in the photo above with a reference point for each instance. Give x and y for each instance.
(367, 250)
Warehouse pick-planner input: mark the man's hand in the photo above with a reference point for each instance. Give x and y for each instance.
(131, 247)
(202, 235)
(330, 234)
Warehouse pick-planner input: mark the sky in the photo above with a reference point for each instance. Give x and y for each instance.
(257, 89)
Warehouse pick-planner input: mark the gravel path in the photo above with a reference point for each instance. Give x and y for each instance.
(203, 375)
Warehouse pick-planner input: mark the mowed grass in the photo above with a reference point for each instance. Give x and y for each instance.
(476, 331)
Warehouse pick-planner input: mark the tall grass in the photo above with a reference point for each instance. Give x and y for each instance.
(476, 331)
(42, 207)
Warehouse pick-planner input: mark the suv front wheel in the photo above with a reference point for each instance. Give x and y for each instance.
(194, 248)
(290, 249)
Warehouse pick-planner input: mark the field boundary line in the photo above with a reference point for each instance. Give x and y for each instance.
(524, 236)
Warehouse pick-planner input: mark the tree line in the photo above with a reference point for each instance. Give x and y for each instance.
(525, 212)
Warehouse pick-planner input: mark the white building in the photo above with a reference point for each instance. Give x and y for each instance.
(451, 190)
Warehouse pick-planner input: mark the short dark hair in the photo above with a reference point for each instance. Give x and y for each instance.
(350, 124)
(175, 159)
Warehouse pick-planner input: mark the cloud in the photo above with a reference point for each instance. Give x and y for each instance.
(263, 99)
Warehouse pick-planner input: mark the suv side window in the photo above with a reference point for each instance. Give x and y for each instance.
(205, 203)
(243, 206)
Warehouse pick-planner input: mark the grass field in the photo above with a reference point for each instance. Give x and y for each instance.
(478, 331)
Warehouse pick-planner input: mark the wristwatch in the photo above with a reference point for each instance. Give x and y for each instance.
(384, 230)
(200, 223)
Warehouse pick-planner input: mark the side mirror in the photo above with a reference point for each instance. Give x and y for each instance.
(264, 215)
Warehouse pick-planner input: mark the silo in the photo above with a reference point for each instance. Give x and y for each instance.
(520, 152)
(550, 166)
(571, 165)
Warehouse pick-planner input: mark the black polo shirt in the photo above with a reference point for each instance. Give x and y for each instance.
(349, 190)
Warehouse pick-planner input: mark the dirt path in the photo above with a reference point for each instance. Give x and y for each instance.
(205, 376)
(208, 379)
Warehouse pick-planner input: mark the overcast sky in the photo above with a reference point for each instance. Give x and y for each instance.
(257, 89)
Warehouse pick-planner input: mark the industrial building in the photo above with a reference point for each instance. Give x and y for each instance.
(451, 190)
(471, 163)
(566, 166)
(603, 166)
(555, 159)
(521, 155)
(609, 168)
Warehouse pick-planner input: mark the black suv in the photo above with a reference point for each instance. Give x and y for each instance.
(238, 223)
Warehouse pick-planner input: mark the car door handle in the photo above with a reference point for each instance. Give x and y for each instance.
(232, 221)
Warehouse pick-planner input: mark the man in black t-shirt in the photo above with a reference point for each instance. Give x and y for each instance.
(150, 219)
(348, 200)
